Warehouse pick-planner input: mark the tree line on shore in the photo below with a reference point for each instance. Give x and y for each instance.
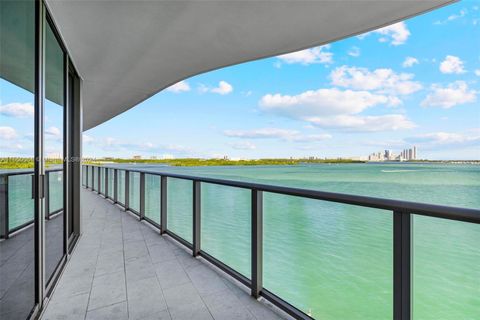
(25, 163)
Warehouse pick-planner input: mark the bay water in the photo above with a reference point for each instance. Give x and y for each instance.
(335, 261)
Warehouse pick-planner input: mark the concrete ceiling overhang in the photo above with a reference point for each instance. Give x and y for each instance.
(126, 51)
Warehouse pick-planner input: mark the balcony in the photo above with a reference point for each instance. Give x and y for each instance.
(124, 269)
(68, 66)
(145, 254)
(133, 262)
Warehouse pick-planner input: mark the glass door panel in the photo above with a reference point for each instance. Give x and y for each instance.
(54, 150)
(17, 116)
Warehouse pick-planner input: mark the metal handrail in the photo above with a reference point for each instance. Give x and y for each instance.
(27, 171)
(402, 212)
(5, 230)
(432, 210)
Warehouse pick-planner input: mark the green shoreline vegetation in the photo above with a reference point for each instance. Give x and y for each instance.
(26, 163)
(196, 162)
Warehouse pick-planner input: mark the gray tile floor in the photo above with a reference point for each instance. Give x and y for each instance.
(17, 257)
(123, 269)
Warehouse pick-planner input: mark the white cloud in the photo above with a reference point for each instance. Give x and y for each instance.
(452, 64)
(409, 62)
(178, 87)
(354, 52)
(8, 133)
(87, 139)
(243, 145)
(17, 110)
(364, 123)
(111, 144)
(312, 137)
(309, 56)
(53, 131)
(276, 133)
(452, 17)
(441, 137)
(335, 108)
(15, 148)
(477, 72)
(223, 88)
(322, 102)
(263, 133)
(383, 80)
(396, 34)
(455, 93)
(440, 140)
(172, 148)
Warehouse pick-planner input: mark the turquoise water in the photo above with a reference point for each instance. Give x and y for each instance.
(332, 260)
(20, 202)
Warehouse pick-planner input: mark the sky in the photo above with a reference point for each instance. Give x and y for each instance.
(416, 82)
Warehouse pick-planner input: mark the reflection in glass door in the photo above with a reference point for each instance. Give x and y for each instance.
(54, 152)
(17, 116)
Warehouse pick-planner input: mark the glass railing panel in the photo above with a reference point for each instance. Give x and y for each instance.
(180, 207)
(134, 191)
(152, 197)
(111, 182)
(330, 260)
(446, 269)
(84, 176)
(226, 225)
(55, 191)
(121, 186)
(20, 202)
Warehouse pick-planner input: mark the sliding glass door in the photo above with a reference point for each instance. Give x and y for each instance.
(36, 211)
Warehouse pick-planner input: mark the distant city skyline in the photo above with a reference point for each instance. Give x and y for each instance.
(408, 154)
(416, 82)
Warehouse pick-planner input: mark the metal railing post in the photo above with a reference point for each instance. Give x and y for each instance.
(196, 217)
(99, 181)
(106, 183)
(93, 178)
(127, 189)
(85, 167)
(102, 180)
(4, 207)
(402, 233)
(163, 204)
(47, 195)
(257, 243)
(142, 195)
(115, 184)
